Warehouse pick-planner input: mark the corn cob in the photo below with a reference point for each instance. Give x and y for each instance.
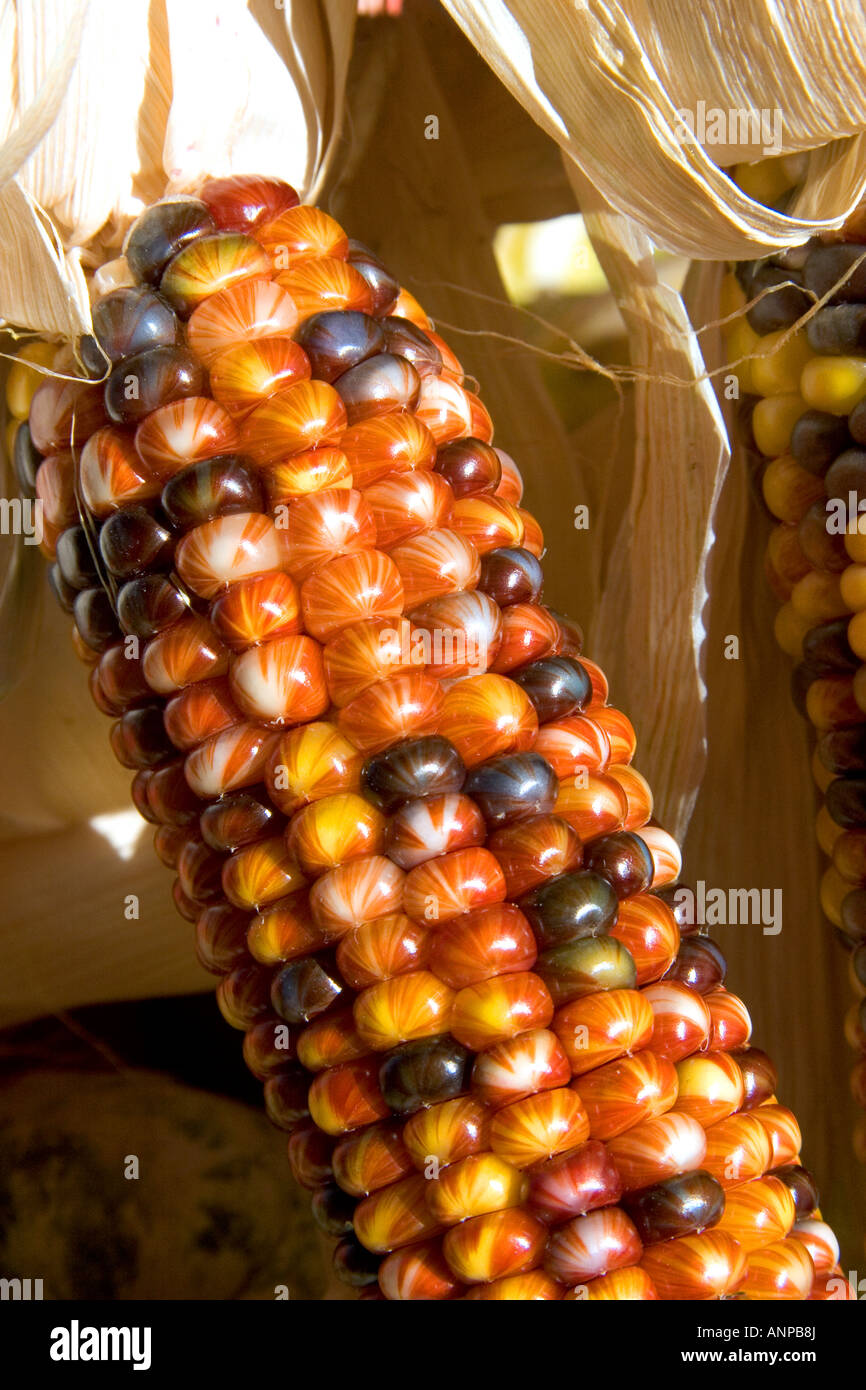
(403, 816)
(804, 418)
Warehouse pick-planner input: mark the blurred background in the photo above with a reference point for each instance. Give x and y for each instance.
(111, 1044)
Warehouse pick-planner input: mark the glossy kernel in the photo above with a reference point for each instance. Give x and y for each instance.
(493, 1246)
(414, 1005)
(494, 1010)
(476, 1185)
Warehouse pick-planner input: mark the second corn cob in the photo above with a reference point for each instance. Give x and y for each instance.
(804, 417)
(401, 811)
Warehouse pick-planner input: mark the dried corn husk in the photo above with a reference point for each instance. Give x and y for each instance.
(649, 621)
(608, 79)
(110, 107)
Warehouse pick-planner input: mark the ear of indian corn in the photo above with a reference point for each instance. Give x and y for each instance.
(400, 810)
(804, 417)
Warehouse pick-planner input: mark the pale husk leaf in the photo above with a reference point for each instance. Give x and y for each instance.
(647, 627)
(108, 109)
(41, 288)
(607, 78)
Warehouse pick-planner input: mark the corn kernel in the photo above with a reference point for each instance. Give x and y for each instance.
(778, 366)
(816, 597)
(821, 776)
(856, 985)
(855, 544)
(849, 857)
(767, 180)
(790, 490)
(11, 431)
(732, 298)
(22, 381)
(831, 702)
(852, 586)
(785, 560)
(773, 419)
(834, 889)
(741, 342)
(834, 384)
(854, 1039)
(790, 627)
(113, 275)
(407, 307)
(827, 831)
(857, 635)
(498, 1193)
(63, 360)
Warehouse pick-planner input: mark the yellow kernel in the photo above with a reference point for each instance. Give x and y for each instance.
(849, 857)
(790, 490)
(112, 275)
(22, 380)
(816, 597)
(827, 831)
(732, 299)
(834, 384)
(857, 634)
(11, 431)
(778, 366)
(834, 888)
(785, 557)
(773, 419)
(790, 627)
(766, 180)
(475, 1185)
(854, 1039)
(84, 653)
(64, 360)
(852, 586)
(741, 341)
(855, 544)
(831, 702)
